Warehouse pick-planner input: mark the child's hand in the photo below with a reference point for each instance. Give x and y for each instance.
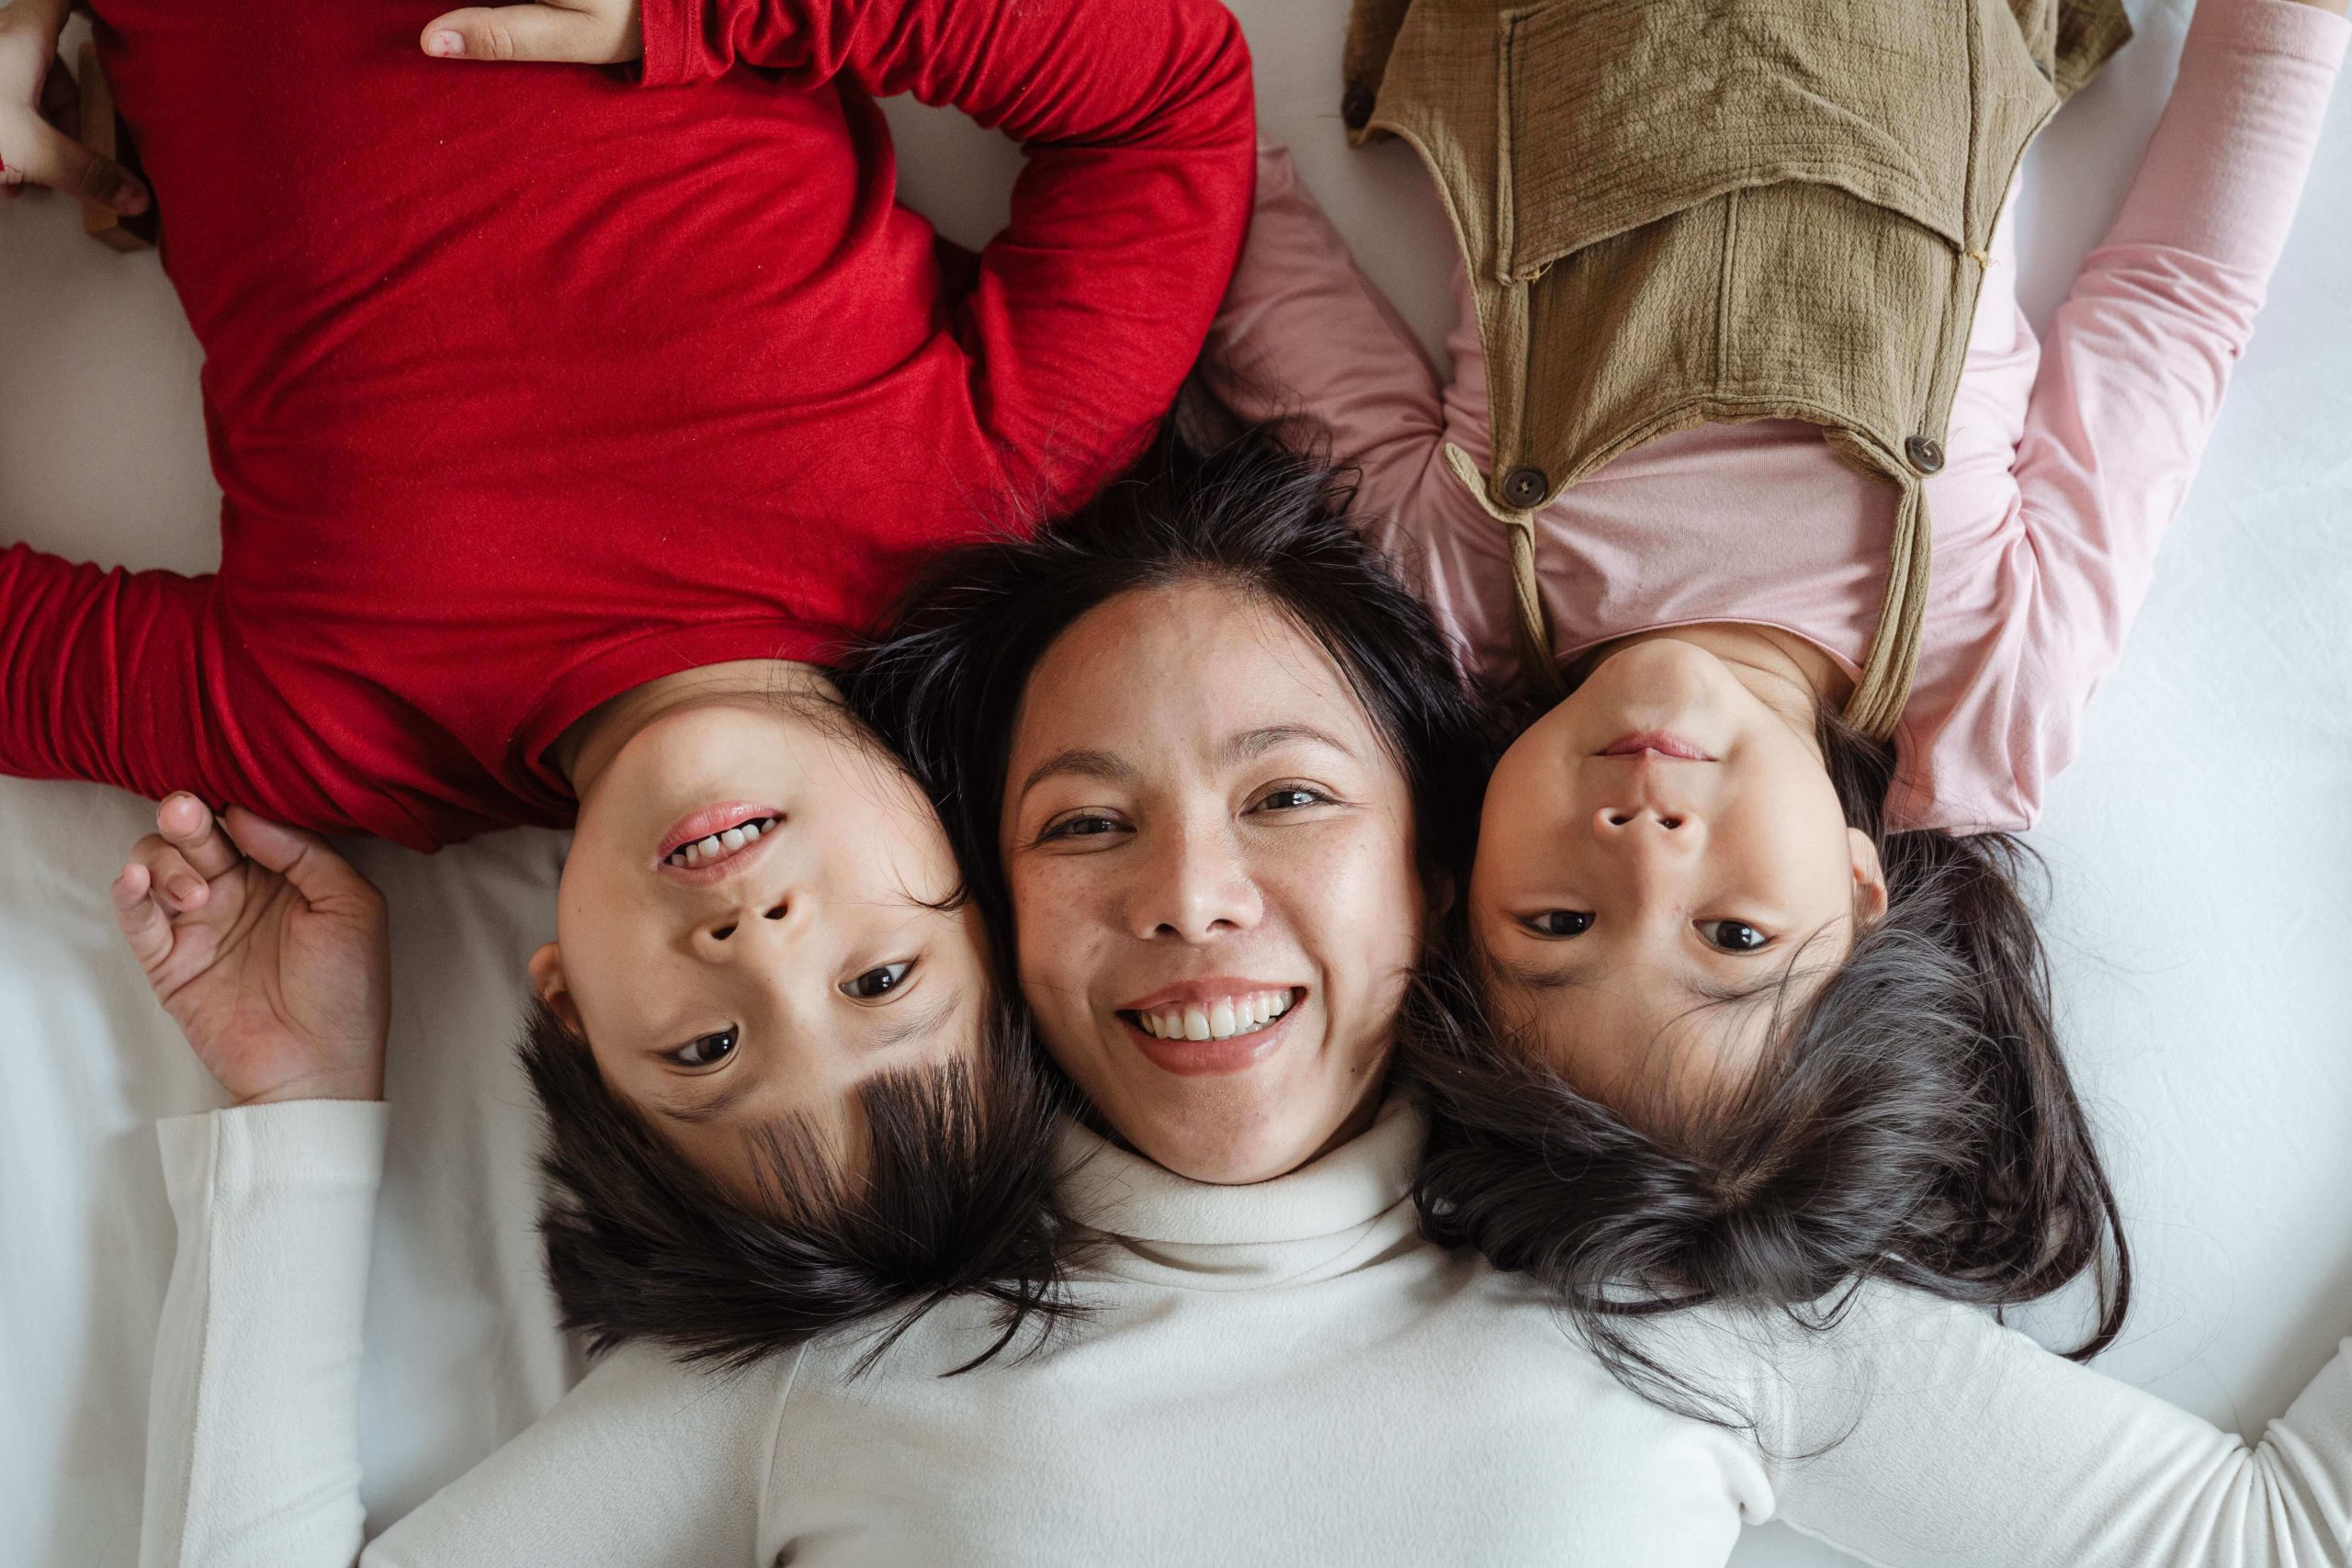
(584, 32)
(268, 950)
(36, 97)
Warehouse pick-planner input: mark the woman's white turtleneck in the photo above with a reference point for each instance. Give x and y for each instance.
(1283, 1373)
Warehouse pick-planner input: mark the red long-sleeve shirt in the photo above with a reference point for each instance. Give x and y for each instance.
(526, 385)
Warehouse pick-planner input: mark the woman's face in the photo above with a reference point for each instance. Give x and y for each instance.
(1216, 903)
(1662, 845)
(744, 929)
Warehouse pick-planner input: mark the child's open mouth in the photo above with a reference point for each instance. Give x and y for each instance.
(717, 833)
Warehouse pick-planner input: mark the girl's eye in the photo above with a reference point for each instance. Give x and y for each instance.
(878, 983)
(707, 1050)
(1290, 797)
(1086, 827)
(1559, 923)
(1734, 936)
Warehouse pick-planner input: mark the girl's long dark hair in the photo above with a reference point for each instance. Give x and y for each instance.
(1913, 1121)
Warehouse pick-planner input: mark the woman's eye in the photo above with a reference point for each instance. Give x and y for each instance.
(879, 982)
(1290, 797)
(707, 1049)
(1734, 936)
(1559, 923)
(1092, 827)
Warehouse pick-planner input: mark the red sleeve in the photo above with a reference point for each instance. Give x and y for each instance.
(114, 677)
(1140, 125)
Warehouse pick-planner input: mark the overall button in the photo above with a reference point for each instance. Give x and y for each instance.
(1524, 488)
(1927, 453)
(1355, 107)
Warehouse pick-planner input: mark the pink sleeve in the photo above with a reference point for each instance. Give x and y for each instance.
(113, 677)
(1138, 120)
(2136, 360)
(1304, 336)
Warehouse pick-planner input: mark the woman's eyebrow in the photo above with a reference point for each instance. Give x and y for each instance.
(1253, 743)
(1077, 762)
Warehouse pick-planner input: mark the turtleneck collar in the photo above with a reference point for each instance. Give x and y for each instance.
(1325, 1217)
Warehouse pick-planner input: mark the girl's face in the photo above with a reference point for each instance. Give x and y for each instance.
(1211, 857)
(1655, 855)
(743, 928)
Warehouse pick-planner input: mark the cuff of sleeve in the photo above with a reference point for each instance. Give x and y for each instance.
(2285, 28)
(667, 58)
(313, 1144)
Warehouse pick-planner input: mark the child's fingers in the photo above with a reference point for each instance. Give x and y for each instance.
(189, 825)
(176, 884)
(601, 34)
(146, 929)
(315, 871)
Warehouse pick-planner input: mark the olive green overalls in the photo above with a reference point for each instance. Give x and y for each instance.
(1679, 213)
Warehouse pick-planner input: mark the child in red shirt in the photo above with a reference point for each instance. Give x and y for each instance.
(566, 425)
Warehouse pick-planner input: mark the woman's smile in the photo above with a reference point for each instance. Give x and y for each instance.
(1210, 1027)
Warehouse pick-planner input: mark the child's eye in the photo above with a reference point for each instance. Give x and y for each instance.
(1559, 923)
(879, 982)
(1290, 797)
(1086, 825)
(1734, 936)
(707, 1050)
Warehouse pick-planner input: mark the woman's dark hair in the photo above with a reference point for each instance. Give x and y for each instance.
(944, 688)
(951, 1193)
(1912, 1121)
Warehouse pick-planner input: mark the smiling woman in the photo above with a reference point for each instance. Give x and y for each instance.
(1214, 766)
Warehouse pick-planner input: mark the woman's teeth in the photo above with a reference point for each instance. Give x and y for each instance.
(689, 856)
(1220, 1021)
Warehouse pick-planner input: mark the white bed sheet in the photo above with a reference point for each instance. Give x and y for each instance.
(2202, 849)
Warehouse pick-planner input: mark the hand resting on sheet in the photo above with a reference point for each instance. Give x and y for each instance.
(40, 111)
(266, 949)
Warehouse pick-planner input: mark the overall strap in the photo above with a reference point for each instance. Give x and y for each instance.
(1876, 707)
(1531, 629)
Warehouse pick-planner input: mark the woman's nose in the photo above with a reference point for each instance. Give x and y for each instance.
(1195, 891)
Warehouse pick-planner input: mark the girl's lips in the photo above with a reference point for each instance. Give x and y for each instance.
(710, 821)
(1664, 742)
(1212, 1058)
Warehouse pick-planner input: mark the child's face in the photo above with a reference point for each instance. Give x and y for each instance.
(1664, 842)
(770, 980)
(1210, 853)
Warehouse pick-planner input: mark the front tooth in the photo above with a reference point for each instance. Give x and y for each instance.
(1220, 1020)
(732, 839)
(1196, 1024)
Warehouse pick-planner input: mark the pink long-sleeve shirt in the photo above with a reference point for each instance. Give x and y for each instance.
(2066, 461)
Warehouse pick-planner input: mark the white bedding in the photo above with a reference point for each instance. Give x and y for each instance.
(2201, 847)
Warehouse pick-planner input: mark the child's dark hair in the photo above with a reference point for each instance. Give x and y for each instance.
(951, 1193)
(944, 688)
(1912, 1121)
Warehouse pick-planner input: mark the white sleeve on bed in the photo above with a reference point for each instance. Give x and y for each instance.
(1955, 1440)
(253, 1418)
